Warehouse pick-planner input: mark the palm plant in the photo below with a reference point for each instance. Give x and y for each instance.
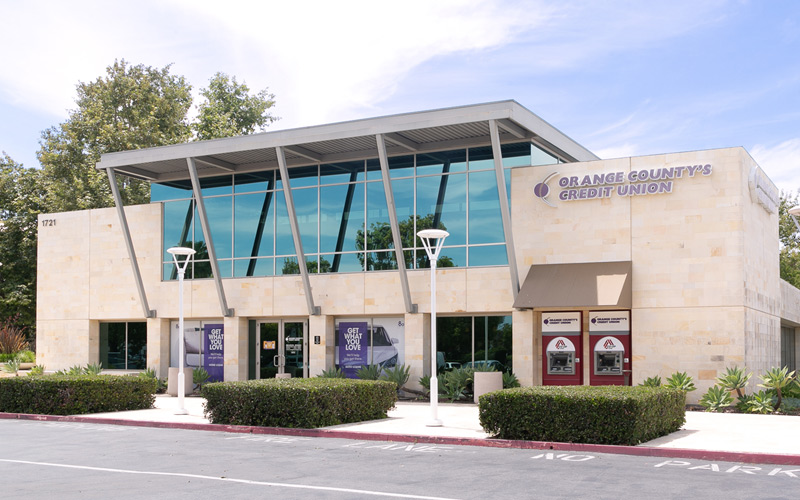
(682, 381)
(716, 399)
(777, 379)
(735, 379)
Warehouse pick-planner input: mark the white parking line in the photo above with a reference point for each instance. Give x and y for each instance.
(232, 480)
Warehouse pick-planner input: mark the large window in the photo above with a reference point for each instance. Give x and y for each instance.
(474, 341)
(123, 345)
(342, 214)
(788, 348)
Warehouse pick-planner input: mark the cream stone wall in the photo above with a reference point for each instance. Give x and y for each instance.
(705, 285)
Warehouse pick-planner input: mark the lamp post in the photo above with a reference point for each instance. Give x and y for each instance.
(187, 253)
(794, 212)
(432, 240)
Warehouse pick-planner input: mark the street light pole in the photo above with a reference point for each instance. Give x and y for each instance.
(432, 240)
(175, 252)
(794, 213)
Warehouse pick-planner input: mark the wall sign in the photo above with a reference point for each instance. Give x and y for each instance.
(214, 352)
(353, 344)
(640, 182)
(763, 191)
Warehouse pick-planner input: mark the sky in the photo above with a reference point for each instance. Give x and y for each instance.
(620, 77)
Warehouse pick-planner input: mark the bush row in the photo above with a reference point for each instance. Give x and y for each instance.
(299, 403)
(75, 394)
(583, 414)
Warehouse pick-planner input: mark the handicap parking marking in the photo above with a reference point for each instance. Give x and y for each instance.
(78, 426)
(564, 456)
(268, 438)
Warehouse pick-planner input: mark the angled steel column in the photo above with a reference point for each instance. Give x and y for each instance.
(298, 244)
(126, 234)
(497, 154)
(212, 254)
(398, 242)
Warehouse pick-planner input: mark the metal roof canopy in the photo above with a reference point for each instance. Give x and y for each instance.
(406, 133)
(584, 284)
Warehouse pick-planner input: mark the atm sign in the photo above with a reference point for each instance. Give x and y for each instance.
(560, 345)
(609, 344)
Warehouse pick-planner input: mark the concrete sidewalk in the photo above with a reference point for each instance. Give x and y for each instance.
(711, 436)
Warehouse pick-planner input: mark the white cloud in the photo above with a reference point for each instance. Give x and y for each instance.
(781, 162)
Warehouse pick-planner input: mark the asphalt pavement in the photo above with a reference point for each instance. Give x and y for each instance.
(709, 436)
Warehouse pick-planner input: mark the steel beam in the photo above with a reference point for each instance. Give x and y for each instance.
(398, 242)
(497, 154)
(212, 254)
(126, 234)
(298, 244)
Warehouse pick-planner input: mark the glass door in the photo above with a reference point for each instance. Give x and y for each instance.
(282, 348)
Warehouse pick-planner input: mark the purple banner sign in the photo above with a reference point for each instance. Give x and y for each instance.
(214, 352)
(353, 343)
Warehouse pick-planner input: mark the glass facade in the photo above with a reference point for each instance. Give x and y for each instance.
(123, 345)
(474, 341)
(343, 216)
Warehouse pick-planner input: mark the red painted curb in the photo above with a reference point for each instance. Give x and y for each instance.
(642, 451)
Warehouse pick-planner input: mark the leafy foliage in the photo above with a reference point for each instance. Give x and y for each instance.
(161, 384)
(583, 414)
(36, 371)
(716, 399)
(379, 237)
(11, 366)
(229, 109)
(369, 372)
(454, 383)
(398, 375)
(199, 376)
(12, 337)
(735, 379)
(789, 235)
(777, 379)
(510, 380)
(298, 403)
(760, 402)
(682, 381)
(71, 395)
(132, 107)
(652, 382)
(332, 372)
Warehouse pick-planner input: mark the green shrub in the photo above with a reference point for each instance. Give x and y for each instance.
(583, 414)
(11, 366)
(93, 370)
(682, 381)
(398, 375)
(298, 403)
(716, 399)
(776, 379)
(761, 402)
(369, 372)
(199, 376)
(71, 395)
(735, 379)
(26, 356)
(652, 382)
(454, 384)
(36, 371)
(332, 372)
(510, 380)
(12, 337)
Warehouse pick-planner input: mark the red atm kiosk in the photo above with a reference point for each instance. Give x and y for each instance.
(561, 348)
(610, 339)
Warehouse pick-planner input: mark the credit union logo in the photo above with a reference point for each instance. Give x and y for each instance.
(541, 190)
(561, 344)
(609, 344)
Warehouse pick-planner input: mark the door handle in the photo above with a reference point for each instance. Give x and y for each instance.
(275, 360)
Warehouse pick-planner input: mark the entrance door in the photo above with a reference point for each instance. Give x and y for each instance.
(282, 348)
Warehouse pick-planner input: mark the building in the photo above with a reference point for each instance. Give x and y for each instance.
(564, 267)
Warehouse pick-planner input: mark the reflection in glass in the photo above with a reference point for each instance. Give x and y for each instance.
(137, 346)
(254, 224)
(303, 176)
(485, 222)
(341, 217)
(442, 162)
(254, 181)
(475, 341)
(344, 262)
(176, 190)
(401, 166)
(442, 204)
(219, 212)
(306, 210)
(337, 173)
(491, 255)
(481, 158)
(284, 242)
(253, 267)
(178, 225)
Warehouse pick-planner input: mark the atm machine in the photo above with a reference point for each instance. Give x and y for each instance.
(561, 348)
(610, 338)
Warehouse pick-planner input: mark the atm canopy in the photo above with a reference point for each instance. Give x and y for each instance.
(424, 131)
(592, 284)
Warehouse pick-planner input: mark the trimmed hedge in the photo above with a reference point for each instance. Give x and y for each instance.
(583, 414)
(300, 403)
(75, 394)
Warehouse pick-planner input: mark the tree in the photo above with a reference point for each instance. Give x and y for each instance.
(230, 110)
(22, 200)
(133, 107)
(379, 237)
(790, 240)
